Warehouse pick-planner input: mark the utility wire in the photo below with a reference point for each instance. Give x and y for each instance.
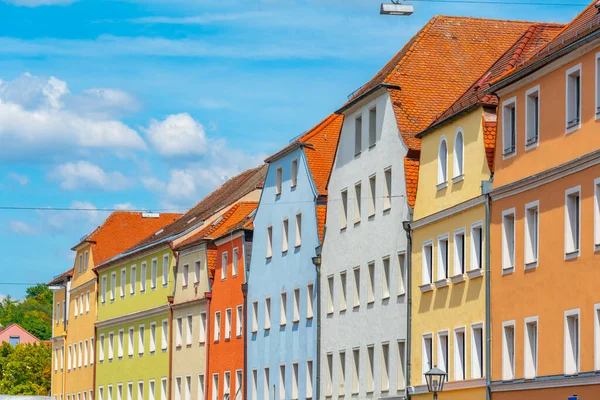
(513, 3)
(82, 209)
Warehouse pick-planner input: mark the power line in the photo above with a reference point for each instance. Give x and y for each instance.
(496, 2)
(13, 208)
(19, 283)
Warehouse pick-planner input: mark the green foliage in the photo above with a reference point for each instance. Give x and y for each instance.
(25, 369)
(34, 313)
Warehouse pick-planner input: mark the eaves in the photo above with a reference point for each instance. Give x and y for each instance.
(366, 94)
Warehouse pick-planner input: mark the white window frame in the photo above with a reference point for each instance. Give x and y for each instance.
(460, 369)
(458, 166)
(577, 368)
(164, 335)
(372, 126)
(234, 261)
(130, 339)
(197, 269)
(476, 262)
(185, 275)
(442, 164)
(442, 267)
(285, 234)
(282, 376)
(597, 213)
(358, 135)
(283, 309)
(295, 380)
(572, 253)
(217, 327)
(572, 71)
(387, 188)
(372, 195)
(357, 201)
(201, 392)
(440, 360)
(143, 273)
(343, 209)
(371, 282)
(165, 269)
(294, 180)
(228, 323)
(239, 321)
(531, 260)
(427, 267)
(296, 305)
(123, 282)
(132, 279)
(254, 316)
(356, 287)
(269, 242)
(597, 61)
(385, 278)
(267, 322)
(508, 368)
(460, 267)
(401, 273)
(278, 181)
(224, 264)
(152, 335)
(596, 337)
(424, 365)
(476, 372)
(370, 361)
(507, 104)
(153, 273)
(527, 373)
(528, 95)
(111, 344)
(507, 264)
(120, 344)
(113, 287)
(141, 339)
(298, 228)
(202, 333)
(310, 291)
(330, 294)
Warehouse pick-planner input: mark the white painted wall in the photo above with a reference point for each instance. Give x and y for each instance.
(383, 321)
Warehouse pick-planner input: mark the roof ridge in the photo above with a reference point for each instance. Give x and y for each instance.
(318, 128)
(486, 19)
(567, 26)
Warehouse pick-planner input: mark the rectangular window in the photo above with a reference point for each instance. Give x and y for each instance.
(508, 239)
(266, 385)
(57, 315)
(86, 259)
(573, 98)
(370, 369)
(330, 283)
(255, 317)
(201, 394)
(372, 194)
(202, 336)
(343, 291)
(358, 135)
(151, 390)
(442, 265)
(179, 332)
(164, 335)
(227, 324)
(329, 376)
(69, 352)
(596, 211)
(111, 344)
(387, 189)
(121, 344)
(294, 172)
(165, 270)
(81, 300)
(400, 274)
(355, 371)
(143, 277)
(132, 280)
(267, 313)
(309, 379)
(442, 351)
(154, 273)
(188, 388)
(100, 393)
(426, 359)
(476, 246)
(140, 390)
(531, 233)
(342, 374)
(234, 262)
(296, 315)
(309, 301)
(459, 355)
(226, 385)
(508, 351)
(254, 385)
(427, 261)
(238, 385)
(141, 340)
(282, 382)
(401, 364)
(163, 389)
(372, 126)
(123, 282)
(185, 275)
(279, 178)
(371, 286)
(385, 367)
(531, 347)
(119, 391)
(357, 202)
(80, 359)
(224, 262)
(239, 318)
(92, 351)
(76, 308)
(477, 351)
(298, 237)
(356, 299)
(344, 209)
(217, 327)
(294, 381)
(572, 348)
(284, 236)
(87, 302)
(178, 388)
(130, 344)
(80, 263)
(509, 126)
(103, 290)
(533, 116)
(153, 338)
(283, 310)
(459, 252)
(572, 221)
(597, 85)
(269, 242)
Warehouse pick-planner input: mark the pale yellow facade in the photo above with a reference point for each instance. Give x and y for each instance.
(448, 260)
(59, 333)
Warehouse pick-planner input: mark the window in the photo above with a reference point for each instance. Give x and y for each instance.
(531, 233)
(100, 393)
(56, 360)
(596, 211)
(255, 317)
(400, 274)
(76, 308)
(217, 327)
(532, 113)
(298, 236)
(573, 98)
(294, 381)
(215, 391)
(296, 315)
(111, 343)
(279, 178)
(357, 202)
(427, 257)
(372, 195)
(226, 385)
(385, 367)
(188, 387)
(224, 262)
(57, 315)
(344, 210)
(283, 309)
(120, 344)
(309, 379)
(239, 318)
(103, 290)
(141, 340)
(80, 263)
(165, 270)
(70, 355)
(355, 370)
(442, 351)
(143, 277)
(178, 388)
(294, 173)
(508, 351)
(572, 221)
(140, 390)
(284, 236)
(358, 135)
(343, 291)
(202, 336)
(443, 163)
(164, 335)
(266, 385)
(254, 385)
(130, 343)
(309, 301)
(282, 382)
(342, 374)
(330, 283)
(442, 265)
(531, 347)
(370, 369)
(185, 275)
(476, 246)
(87, 302)
(371, 286)
(459, 252)
(81, 302)
(401, 364)
(197, 272)
(509, 127)
(151, 390)
(329, 376)
(459, 146)
(356, 300)
(387, 189)
(426, 359)
(179, 332)
(477, 341)
(153, 338)
(122, 282)
(153, 273)
(269, 242)
(234, 262)
(86, 260)
(267, 313)
(508, 239)
(92, 351)
(132, 280)
(597, 85)
(572, 342)
(80, 359)
(201, 395)
(119, 391)
(227, 324)
(459, 355)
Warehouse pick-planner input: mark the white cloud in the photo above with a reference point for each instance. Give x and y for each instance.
(22, 228)
(41, 118)
(205, 19)
(85, 175)
(21, 179)
(38, 3)
(124, 206)
(177, 135)
(84, 218)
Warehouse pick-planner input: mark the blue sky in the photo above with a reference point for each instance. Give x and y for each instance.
(151, 104)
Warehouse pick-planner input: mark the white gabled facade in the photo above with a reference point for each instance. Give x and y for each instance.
(363, 343)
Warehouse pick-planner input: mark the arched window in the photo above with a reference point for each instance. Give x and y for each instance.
(443, 162)
(459, 148)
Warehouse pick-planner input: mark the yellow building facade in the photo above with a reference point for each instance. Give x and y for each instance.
(448, 258)
(60, 287)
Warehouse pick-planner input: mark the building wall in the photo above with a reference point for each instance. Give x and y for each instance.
(227, 355)
(59, 332)
(283, 272)
(371, 240)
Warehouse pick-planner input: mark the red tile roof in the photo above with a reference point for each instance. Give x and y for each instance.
(489, 140)
(438, 65)
(62, 277)
(411, 171)
(321, 220)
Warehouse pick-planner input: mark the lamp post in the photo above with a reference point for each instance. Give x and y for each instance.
(396, 8)
(316, 260)
(435, 379)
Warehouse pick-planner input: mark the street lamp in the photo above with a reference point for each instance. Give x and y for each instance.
(435, 379)
(317, 258)
(395, 8)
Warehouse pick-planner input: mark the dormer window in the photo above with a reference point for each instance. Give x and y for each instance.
(443, 164)
(509, 127)
(574, 98)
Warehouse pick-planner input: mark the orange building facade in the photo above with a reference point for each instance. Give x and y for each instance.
(545, 221)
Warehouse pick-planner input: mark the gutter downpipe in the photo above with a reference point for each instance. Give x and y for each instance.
(407, 228)
(208, 296)
(245, 321)
(486, 187)
(318, 315)
(171, 300)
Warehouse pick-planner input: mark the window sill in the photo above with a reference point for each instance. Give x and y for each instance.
(574, 128)
(475, 273)
(509, 154)
(508, 271)
(572, 255)
(388, 208)
(458, 178)
(442, 185)
(531, 265)
(385, 297)
(442, 283)
(295, 321)
(283, 324)
(596, 247)
(343, 229)
(402, 293)
(426, 287)
(254, 331)
(268, 257)
(238, 336)
(458, 278)
(532, 145)
(372, 146)
(311, 317)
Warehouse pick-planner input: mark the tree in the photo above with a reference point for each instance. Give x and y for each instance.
(25, 369)
(34, 313)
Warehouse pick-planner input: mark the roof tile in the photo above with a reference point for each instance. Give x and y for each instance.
(411, 171)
